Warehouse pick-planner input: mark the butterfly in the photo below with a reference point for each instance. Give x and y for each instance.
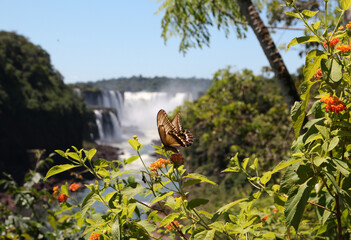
(171, 133)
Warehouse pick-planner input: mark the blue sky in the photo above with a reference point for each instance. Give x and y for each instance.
(93, 40)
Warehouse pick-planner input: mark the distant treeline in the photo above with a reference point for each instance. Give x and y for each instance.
(155, 84)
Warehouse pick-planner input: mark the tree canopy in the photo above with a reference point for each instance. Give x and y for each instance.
(37, 110)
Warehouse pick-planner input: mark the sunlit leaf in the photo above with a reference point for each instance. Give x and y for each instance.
(59, 169)
(345, 4)
(304, 39)
(200, 177)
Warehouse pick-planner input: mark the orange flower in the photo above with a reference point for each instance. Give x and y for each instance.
(55, 189)
(160, 163)
(95, 236)
(348, 25)
(177, 159)
(264, 218)
(344, 48)
(341, 28)
(332, 42)
(74, 187)
(318, 74)
(275, 210)
(333, 104)
(62, 198)
(172, 225)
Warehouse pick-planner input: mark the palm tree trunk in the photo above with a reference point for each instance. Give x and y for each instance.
(276, 62)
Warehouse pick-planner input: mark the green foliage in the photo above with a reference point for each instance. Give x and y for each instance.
(193, 20)
(140, 83)
(239, 113)
(34, 213)
(37, 110)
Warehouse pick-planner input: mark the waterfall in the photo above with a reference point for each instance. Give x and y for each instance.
(108, 105)
(141, 107)
(98, 115)
(122, 115)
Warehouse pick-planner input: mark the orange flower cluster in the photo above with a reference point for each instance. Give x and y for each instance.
(341, 28)
(160, 163)
(62, 198)
(177, 159)
(333, 104)
(348, 25)
(56, 191)
(264, 218)
(74, 187)
(172, 225)
(275, 210)
(332, 42)
(95, 236)
(318, 74)
(344, 48)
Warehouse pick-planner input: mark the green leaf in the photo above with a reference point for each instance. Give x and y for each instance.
(191, 182)
(333, 143)
(308, 14)
(100, 163)
(225, 208)
(135, 144)
(91, 153)
(319, 160)
(304, 39)
(341, 167)
(131, 159)
(266, 177)
(52, 221)
(206, 234)
(74, 156)
(61, 153)
(345, 4)
(324, 131)
(332, 68)
(116, 229)
(64, 188)
(286, 163)
(59, 169)
(157, 199)
(293, 14)
(194, 203)
(298, 115)
(87, 202)
(131, 192)
(296, 202)
(169, 218)
(26, 236)
(313, 62)
(147, 226)
(199, 177)
(246, 161)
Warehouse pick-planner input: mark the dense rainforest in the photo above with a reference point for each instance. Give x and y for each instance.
(240, 113)
(37, 110)
(141, 83)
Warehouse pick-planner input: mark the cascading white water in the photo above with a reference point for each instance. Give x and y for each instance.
(98, 116)
(141, 107)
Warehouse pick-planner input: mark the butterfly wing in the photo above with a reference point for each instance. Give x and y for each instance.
(176, 122)
(170, 132)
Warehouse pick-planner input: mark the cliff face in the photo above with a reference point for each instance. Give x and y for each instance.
(37, 110)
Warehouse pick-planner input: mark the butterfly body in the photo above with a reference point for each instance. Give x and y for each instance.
(171, 133)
